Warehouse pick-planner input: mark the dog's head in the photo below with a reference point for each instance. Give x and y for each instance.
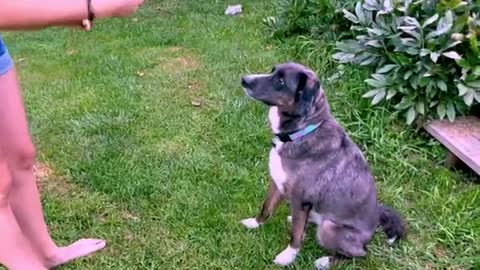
(291, 87)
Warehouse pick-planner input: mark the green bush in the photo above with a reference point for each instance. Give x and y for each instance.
(424, 55)
(308, 17)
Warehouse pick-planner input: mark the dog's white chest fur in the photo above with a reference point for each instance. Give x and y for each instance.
(277, 172)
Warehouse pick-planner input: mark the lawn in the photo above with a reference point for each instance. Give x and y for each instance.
(146, 139)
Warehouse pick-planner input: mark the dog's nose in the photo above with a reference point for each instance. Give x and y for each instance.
(245, 82)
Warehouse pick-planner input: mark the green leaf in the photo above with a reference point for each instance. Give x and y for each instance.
(474, 42)
(476, 71)
(424, 81)
(452, 55)
(412, 33)
(425, 52)
(430, 88)
(468, 98)
(350, 16)
(460, 23)
(387, 6)
(411, 21)
(399, 59)
(375, 31)
(349, 46)
(374, 43)
(378, 97)
(430, 20)
(375, 83)
(370, 93)
(413, 51)
(380, 77)
(368, 61)
(420, 107)
(404, 103)
(451, 112)
(359, 12)
(474, 84)
(407, 75)
(462, 89)
(372, 3)
(453, 44)
(442, 85)
(344, 57)
(477, 96)
(434, 56)
(391, 93)
(407, 28)
(441, 111)
(386, 68)
(443, 26)
(411, 114)
(463, 63)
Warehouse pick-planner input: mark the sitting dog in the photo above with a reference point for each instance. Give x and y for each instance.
(317, 167)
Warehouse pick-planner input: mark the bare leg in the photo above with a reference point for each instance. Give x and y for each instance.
(299, 222)
(19, 153)
(274, 197)
(15, 251)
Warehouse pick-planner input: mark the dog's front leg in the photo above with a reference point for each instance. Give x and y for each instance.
(273, 199)
(299, 222)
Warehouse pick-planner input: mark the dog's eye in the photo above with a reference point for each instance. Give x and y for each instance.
(281, 81)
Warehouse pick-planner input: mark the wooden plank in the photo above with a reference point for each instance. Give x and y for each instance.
(462, 137)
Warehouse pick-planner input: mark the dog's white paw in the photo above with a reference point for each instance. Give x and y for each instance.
(323, 263)
(392, 240)
(286, 257)
(289, 219)
(251, 223)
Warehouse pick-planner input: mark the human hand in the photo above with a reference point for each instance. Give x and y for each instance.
(115, 8)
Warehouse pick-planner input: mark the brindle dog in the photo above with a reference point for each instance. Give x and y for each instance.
(317, 167)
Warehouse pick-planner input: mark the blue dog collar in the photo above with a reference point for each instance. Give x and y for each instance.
(295, 136)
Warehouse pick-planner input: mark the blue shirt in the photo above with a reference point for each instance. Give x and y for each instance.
(6, 62)
(2, 46)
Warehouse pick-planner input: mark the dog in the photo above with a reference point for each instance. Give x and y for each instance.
(315, 165)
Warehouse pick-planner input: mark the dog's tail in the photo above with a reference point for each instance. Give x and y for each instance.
(392, 223)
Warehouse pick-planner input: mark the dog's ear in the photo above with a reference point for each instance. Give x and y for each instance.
(307, 90)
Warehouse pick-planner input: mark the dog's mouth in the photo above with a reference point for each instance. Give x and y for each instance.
(249, 93)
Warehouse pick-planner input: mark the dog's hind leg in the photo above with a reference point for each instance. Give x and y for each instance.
(273, 199)
(313, 217)
(346, 241)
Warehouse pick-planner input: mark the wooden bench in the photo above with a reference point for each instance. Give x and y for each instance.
(461, 138)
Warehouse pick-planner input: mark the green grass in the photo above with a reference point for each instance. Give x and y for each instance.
(166, 182)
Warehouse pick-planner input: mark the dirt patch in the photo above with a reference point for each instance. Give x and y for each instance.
(72, 51)
(48, 181)
(193, 86)
(130, 216)
(182, 63)
(174, 49)
(173, 60)
(42, 171)
(440, 252)
(129, 236)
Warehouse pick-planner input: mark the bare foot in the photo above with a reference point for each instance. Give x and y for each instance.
(81, 248)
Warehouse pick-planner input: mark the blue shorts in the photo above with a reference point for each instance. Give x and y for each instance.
(6, 62)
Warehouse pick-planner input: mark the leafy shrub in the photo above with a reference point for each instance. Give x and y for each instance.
(424, 55)
(308, 17)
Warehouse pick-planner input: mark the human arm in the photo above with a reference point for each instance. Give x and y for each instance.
(34, 14)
